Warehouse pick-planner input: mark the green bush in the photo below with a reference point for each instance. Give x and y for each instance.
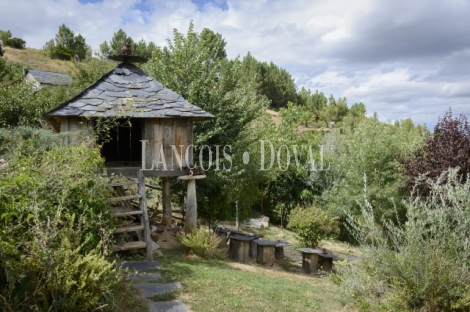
(15, 43)
(55, 225)
(312, 225)
(420, 265)
(61, 53)
(21, 105)
(10, 71)
(203, 244)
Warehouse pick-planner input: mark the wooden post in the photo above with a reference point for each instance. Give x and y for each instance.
(279, 252)
(167, 215)
(190, 220)
(309, 260)
(145, 216)
(239, 249)
(265, 252)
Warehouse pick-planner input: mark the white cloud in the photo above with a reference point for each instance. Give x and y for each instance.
(401, 58)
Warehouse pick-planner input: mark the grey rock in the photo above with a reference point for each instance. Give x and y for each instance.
(142, 277)
(141, 266)
(152, 289)
(172, 306)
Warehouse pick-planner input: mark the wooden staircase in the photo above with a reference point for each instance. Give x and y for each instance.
(139, 215)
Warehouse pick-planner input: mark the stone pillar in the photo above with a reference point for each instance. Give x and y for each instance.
(167, 217)
(190, 221)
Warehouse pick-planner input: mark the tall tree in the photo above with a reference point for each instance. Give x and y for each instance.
(65, 37)
(368, 157)
(193, 68)
(67, 45)
(448, 147)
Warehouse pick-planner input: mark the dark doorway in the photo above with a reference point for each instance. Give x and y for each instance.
(123, 143)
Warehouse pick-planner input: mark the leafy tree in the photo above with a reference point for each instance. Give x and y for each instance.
(67, 45)
(80, 47)
(448, 147)
(368, 156)
(13, 42)
(65, 37)
(105, 50)
(269, 80)
(193, 68)
(143, 49)
(5, 35)
(335, 111)
(358, 110)
(10, 71)
(214, 42)
(21, 105)
(61, 53)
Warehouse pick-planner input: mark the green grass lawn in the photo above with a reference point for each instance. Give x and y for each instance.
(215, 285)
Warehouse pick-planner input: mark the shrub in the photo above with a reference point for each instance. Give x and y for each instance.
(203, 244)
(420, 265)
(54, 224)
(62, 53)
(312, 225)
(16, 43)
(10, 70)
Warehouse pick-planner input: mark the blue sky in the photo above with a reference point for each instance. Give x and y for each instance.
(403, 59)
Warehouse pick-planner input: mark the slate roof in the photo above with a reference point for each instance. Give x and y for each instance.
(127, 91)
(51, 78)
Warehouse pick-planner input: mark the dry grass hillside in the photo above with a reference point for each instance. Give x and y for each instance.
(37, 59)
(278, 119)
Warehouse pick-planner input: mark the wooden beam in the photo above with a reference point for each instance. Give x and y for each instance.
(191, 207)
(143, 207)
(167, 215)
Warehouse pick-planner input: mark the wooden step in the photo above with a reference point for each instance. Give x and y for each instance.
(129, 228)
(124, 211)
(129, 245)
(115, 199)
(122, 183)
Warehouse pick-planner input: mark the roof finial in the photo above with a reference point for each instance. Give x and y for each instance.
(126, 49)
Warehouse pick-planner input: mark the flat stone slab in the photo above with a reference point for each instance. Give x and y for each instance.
(142, 277)
(264, 242)
(309, 250)
(152, 289)
(172, 306)
(141, 266)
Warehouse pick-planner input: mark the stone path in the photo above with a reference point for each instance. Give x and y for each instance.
(147, 282)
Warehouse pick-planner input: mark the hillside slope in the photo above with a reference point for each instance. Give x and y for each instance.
(37, 59)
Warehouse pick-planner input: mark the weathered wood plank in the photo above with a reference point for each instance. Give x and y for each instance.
(167, 214)
(129, 245)
(191, 207)
(122, 183)
(145, 219)
(116, 199)
(129, 228)
(168, 141)
(124, 211)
